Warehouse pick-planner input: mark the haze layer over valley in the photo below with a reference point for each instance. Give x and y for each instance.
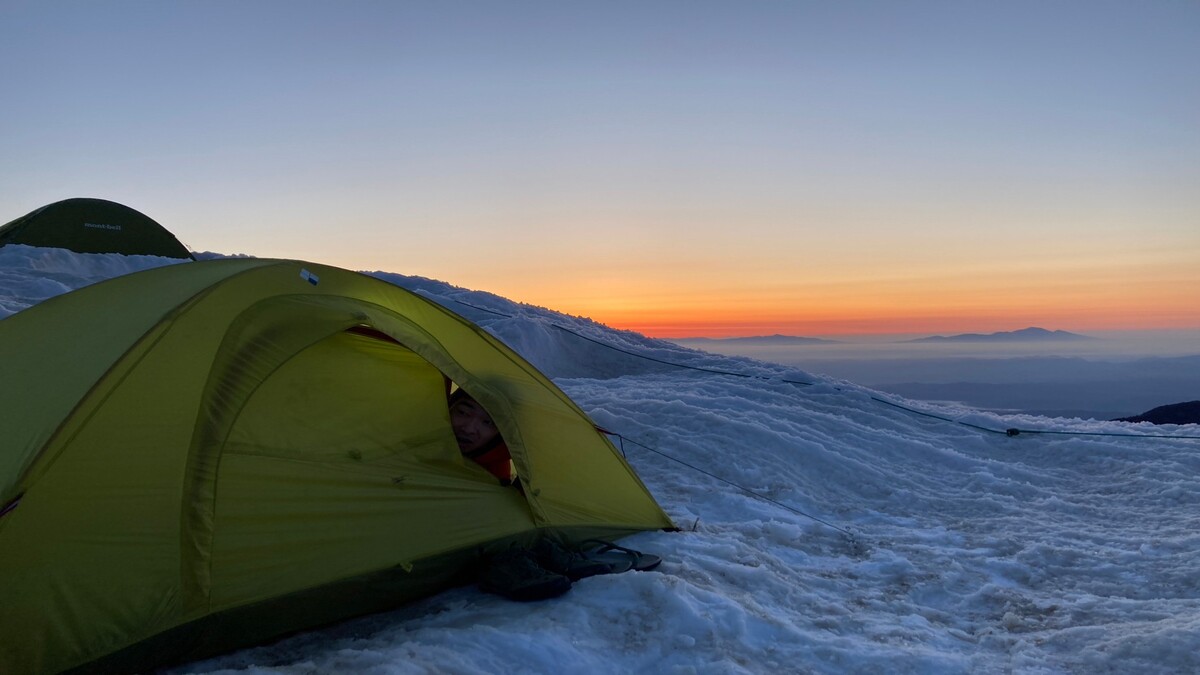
(1113, 374)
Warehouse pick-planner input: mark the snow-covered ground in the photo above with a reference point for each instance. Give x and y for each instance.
(971, 551)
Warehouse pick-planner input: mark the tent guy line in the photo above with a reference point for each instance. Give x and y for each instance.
(1010, 432)
(850, 535)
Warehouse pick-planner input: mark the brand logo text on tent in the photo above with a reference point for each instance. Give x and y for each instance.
(101, 226)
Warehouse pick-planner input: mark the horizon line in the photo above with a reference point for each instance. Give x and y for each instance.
(724, 334)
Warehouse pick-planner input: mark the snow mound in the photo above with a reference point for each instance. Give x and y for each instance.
(29, 275)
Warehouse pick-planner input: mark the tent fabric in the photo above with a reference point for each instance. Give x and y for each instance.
(87, 225)
(222, 443)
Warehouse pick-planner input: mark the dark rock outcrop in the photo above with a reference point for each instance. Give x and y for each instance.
(1176, 413)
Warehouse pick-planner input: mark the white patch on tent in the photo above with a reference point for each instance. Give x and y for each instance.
(310, 277)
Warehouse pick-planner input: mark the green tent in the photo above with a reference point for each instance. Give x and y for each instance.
(88, 225)
(199, 457)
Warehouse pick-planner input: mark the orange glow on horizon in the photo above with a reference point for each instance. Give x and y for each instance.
(935, 308)
(733, 324)
(1134, 292)
(931, 326)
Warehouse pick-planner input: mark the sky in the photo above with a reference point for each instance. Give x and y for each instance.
(675, 168)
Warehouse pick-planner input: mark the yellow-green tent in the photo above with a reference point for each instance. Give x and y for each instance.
(203, 456)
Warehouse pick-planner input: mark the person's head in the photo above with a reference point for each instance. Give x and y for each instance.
(473, 426)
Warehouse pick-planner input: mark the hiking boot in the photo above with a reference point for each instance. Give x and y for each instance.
(568, 563)
(516, 575)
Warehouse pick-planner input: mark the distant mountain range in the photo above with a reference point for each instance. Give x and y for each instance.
(768, 340)
(1032, 334)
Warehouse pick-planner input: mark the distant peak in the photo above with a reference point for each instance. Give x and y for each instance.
(1031, 334)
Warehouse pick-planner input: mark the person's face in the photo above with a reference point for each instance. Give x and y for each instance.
(473, 426)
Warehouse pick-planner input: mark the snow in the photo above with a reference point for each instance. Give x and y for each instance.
(971, 551)
(29, 275)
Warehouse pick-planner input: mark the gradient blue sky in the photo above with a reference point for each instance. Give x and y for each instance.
(680, 168)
